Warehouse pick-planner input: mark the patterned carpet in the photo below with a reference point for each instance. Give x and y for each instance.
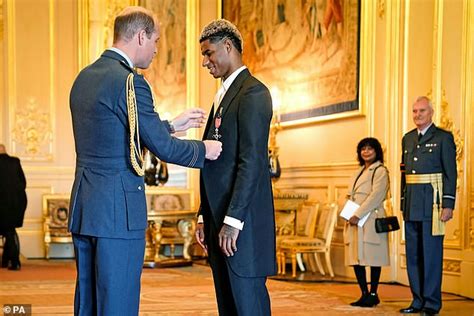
(49, 287)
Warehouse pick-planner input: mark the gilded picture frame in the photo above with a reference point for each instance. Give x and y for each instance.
(306, 52)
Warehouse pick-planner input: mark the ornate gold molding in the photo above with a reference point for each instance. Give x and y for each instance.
(381, 8)
(447, 123)
(1, 20)
(450, 266)
(31, 134)
(467, 92)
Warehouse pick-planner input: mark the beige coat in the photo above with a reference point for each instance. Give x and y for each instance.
(363, 245)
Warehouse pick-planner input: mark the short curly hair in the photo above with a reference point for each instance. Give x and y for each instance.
(221, 29)
(370, 142)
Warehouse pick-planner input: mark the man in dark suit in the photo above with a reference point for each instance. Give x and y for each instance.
(113, 117)
(428, 197)
(236, 224)
(12, 207)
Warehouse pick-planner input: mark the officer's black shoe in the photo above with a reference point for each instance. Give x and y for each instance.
(410, 310)
(429, 311)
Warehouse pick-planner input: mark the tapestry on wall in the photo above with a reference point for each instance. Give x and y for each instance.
(305, 51)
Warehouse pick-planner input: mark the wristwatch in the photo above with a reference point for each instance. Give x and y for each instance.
(172, 130)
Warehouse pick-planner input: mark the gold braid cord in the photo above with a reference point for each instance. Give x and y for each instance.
(135, 151)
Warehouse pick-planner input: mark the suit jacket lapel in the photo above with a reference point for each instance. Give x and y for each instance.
(233, 90)
(226, 101)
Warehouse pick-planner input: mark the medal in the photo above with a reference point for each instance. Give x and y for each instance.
(217, 123)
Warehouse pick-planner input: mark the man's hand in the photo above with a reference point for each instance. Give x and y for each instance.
(228, 240)
(200, 236)
(213, 149)
(194, 117)
(446, 214)
(354, 220)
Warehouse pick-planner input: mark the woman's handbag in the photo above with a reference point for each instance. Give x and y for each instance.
(386, 224)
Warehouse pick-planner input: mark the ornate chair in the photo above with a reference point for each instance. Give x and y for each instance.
(55, 217)
(305, 227)
(320, 243)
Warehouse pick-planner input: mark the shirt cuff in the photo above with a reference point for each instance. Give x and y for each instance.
(200, 219)
(234, 222)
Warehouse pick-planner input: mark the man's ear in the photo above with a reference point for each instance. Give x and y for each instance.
(228, 45)
(141, 37)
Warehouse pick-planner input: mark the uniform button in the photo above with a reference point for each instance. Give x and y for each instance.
(413, 171)
(416, 159)
(140, 187)
(417, 146)
(431, 150)
(406, 151)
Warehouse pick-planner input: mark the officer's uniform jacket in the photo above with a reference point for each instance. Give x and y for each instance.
(108, 197)
(434, 153)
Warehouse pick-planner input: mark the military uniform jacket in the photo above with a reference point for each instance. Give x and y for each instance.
(108, 197)
(434, 153)
(238, 183)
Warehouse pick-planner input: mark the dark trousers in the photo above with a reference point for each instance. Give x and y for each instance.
(424, 256)
(235, 295)
(11, 248)
(108, 275)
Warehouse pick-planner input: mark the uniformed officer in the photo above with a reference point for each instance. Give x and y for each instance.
(427, 200)
(113, 115)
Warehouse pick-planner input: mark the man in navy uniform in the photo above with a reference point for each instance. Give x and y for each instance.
(113, 117)
(428, 197)
(237, 224)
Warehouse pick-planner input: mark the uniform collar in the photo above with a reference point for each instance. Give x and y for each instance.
(423, 131)
(122, 53)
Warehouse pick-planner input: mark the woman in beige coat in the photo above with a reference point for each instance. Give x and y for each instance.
(363, 245)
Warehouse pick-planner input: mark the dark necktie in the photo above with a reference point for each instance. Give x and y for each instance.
(420, 135)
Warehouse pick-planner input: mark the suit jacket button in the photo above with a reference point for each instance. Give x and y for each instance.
(140, 187)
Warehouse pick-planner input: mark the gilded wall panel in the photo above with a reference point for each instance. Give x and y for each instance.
(32, 135)
(1, 20)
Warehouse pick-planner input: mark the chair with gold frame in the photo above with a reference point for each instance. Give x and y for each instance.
(305, 227)
(55, 219)
(320, 243)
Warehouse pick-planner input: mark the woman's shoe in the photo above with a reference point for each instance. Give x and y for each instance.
(371, 300)
(361, 300)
